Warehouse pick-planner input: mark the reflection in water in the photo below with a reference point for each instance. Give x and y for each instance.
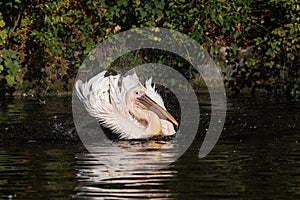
(258, 168)
(134, 156)
(248, 168)
(107, 173)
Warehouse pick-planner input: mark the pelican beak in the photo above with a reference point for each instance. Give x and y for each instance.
(153, 106)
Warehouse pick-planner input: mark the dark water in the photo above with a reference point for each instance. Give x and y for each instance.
(257, 157)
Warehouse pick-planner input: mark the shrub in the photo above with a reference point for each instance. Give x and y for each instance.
(42, 43)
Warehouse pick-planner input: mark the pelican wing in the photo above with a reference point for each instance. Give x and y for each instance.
(150, 91)
(103, 100)
(130, 81)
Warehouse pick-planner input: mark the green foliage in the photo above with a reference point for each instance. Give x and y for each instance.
(3, 32)
(9, 66)
(42, 43)
(276, 37)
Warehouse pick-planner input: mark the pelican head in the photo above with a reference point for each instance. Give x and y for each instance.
(146, 110)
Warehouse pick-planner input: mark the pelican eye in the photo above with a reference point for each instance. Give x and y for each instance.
(136, 92)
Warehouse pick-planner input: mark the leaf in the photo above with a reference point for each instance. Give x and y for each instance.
(10, 80)
(2, 23)
(236, 34)
(14, 68)
(234, 48)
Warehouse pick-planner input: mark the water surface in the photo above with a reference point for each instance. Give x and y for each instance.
(257, 157)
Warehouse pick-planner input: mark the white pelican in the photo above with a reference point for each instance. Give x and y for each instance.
(125, 106)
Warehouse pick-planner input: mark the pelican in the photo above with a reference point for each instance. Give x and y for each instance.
(125, 106)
